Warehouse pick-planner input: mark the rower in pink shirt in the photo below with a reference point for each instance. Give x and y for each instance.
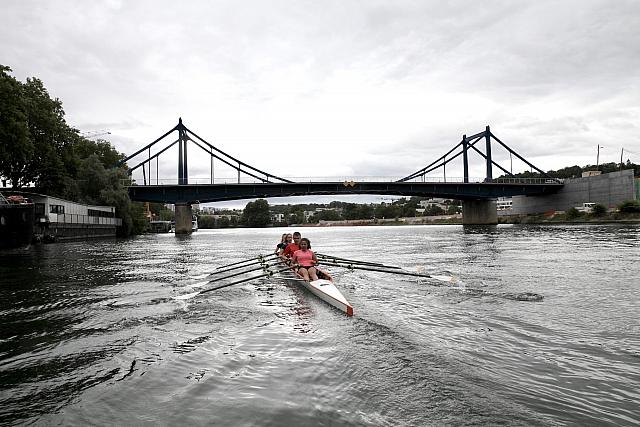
(306, 260)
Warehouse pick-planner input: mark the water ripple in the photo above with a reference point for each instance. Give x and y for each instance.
(539, 328)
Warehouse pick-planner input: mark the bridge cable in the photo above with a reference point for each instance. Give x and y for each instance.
(154, 156)
(226, 162)
(493, 162)
(422, 171)
(426, 169)
(519, 156)
(123, 161)
(236, 160)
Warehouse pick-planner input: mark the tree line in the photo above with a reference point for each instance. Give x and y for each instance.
(576, 171)
(259, 213)
(39, 149)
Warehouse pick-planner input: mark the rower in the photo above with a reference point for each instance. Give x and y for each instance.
(306, 260)
(291, 247)
(286, 239)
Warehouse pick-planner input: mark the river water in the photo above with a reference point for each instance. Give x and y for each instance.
(91, 333)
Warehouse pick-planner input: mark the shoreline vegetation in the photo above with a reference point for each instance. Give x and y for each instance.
(403, 212)
(507, 219)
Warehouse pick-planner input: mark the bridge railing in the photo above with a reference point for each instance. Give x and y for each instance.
(348, 179)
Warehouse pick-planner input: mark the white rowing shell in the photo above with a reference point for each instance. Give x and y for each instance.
(325, 290)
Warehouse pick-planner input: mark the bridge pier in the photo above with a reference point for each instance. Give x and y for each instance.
(479, 212)
(184, 216)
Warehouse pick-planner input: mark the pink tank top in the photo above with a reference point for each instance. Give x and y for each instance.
(304, 258)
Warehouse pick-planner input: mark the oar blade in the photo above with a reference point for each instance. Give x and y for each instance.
(186, 296)
(449, 279)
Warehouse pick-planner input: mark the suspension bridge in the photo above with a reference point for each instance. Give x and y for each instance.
(478, 195)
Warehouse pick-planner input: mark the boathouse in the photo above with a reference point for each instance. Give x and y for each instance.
(59, 219)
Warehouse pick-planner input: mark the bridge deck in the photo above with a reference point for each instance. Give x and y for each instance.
(203, 193)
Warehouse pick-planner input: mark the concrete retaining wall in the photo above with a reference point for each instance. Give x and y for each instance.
(609, 189)
(62, 231)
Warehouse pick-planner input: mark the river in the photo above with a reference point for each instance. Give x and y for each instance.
(91, 333)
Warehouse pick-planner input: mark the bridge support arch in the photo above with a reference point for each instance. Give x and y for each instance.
(184, 216)
(479, 212)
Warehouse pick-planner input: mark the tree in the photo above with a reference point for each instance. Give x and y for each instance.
(16, 148)
(408, 210)
(256, 214)
(572, 213)
(327, 215)
(295, 217)
(49, 134)
(350, 211)
(452, 209)
(223, 222)
(365, 212)
(433, 210)
(38, 147)
(630, 206)
(598, 209)
(206, 221)
(92, 179)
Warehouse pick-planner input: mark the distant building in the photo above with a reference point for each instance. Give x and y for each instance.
(504, 204)
(277, 217)
(424, 204)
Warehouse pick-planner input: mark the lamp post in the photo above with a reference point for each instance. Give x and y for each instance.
(598, 156)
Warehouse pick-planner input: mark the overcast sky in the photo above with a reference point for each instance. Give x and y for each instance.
(340, 88)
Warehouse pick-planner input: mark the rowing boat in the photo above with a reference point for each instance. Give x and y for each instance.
(322, 288)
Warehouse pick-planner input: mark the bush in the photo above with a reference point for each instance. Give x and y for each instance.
(630, 206)
(572, 213)
(598, 210)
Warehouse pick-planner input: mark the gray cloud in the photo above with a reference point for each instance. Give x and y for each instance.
(369, 88)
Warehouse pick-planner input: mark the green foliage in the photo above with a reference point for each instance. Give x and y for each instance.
(16, 147)
(210, 221)
(223, 222)
(572, 213)
(453, 209)
(433, 210)
(38, 147)
(92, 179)
(598, 210)
(326, 215)
(576, 171)
(386, 211)
(256, 214)
(630, 206)
(206, 221)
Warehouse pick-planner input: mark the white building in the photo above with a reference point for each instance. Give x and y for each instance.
(277, 217)
(65, 220)
(504, 204)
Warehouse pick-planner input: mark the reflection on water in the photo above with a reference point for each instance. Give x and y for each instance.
(91, 333)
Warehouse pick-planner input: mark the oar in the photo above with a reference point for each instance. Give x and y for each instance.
(268, 273)
(262, 261)
(259, 257)
(262, 267)
(382, 270)
(354, 261)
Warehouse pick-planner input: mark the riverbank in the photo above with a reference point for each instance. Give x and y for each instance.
(504, 219)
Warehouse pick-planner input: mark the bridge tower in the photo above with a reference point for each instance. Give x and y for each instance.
(183, 212)
(480, 211)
